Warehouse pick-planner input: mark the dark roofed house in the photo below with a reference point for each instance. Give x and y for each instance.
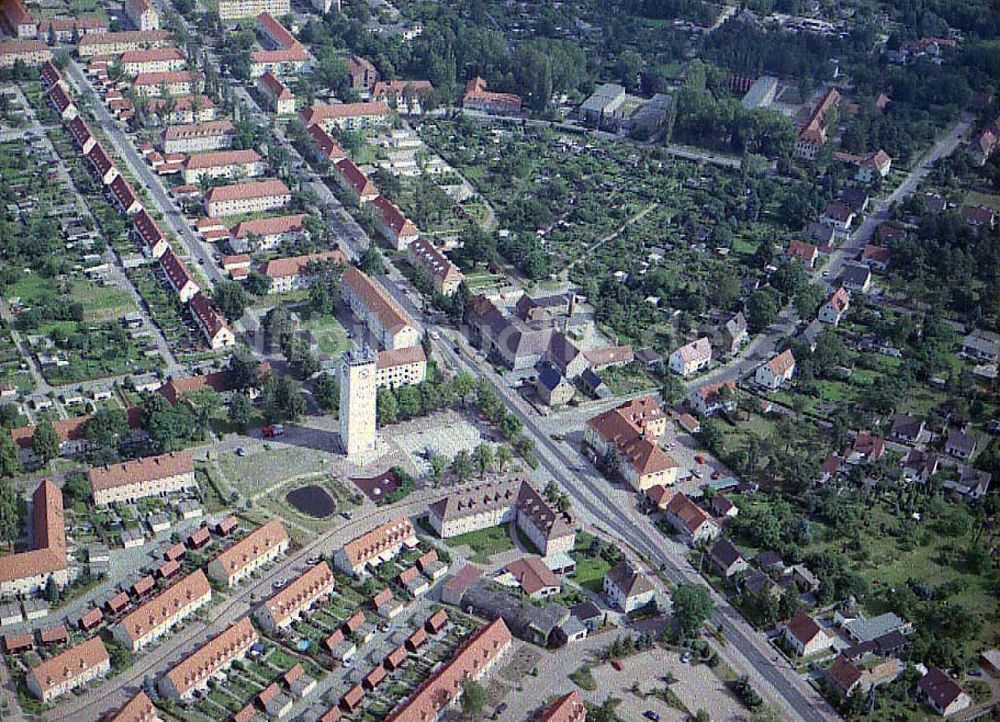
(856, 277)
(942, 693)
(527, 621)
(627, 588)
(961, 444)
(727, 558)
(908, 428)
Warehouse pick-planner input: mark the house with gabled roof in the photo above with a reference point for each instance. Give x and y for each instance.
(727, 559)
(806, 636)
(780, 369)
(835, 307)
(693, 523)
(942, 693)
(627, 588)
(805, 252)
(691, 357)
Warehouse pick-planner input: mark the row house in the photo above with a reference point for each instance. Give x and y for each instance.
(297, 597)
(182, 110)
(279, 97)
(376, 547)
(155, 60)
(125, 199)
(347, 116)
(142, 14)
(29, 571)
(103, 167)
(290, 274)
(62, 102)
(215, 656)
(155, 618)
(129, 481)
(223, 164)
(327, 146)
(82, 135)
(159, 85)
(403, 96)
(479, 99)
(352, 179)
(64, 30)
(73, 668)
(474, 659)
(240, 9)
(371, 303)
(178, 276)
(399, 230)
(50, 75)
(401, 367)
(198, 137)
(691, 357)
(30, 52)
(252, 197)
(122, 42)
(266, 233)
(260, 547)
(154, 244)
(138, 709)
(211, 322)
(443, 273)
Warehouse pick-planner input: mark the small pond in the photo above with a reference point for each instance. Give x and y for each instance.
(311, 500)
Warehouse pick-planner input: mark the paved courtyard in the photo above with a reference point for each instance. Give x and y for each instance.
(445, 433)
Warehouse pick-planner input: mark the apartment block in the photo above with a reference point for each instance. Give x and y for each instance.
(129, 481)
(253, 197)
(223, 164)
(198, 137)
(73, 668)
(246, 556)
(288, 604)
(156, 617)
(371, 303)
(215, 656)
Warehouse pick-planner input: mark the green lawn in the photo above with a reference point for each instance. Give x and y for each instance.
(975, 198)
(484, 543)
(329, 334)
(101, 303)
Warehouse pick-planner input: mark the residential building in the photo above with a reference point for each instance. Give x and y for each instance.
(124, 198)
(211, 322)
(284, 62)
(68, 670)
(805, 252)
(62, 102)
(30, 52)
(628, 588)
(82, 135)
(29, 571)
(710, 400)
(773, 374)
(259, 547)
(275, 35)
(181, 110)
(401, 367)
(65, 29)
(691, 357)
(239, 9)
(156, 617)
(875, 257)
(290, 274)
(198, 137)
(128, 481)
(478, 98)
(121, 42)
(550, 530)
(474, 659)
(553, 388)
(251, 197)
(399, 230)
(155, 60)
(806, 636)
(288, 604)
(178, 276)
(866, 448)
(223, 164)
(215, 656)
(16, 20)
(347, 116)
(869, 166)
(941, 693)
(833, 310)
(376, 547)
(690, 520)
(839, 216)
(279, 97)
(907, 428)
(735, 333)
(362, 73)
(568, 708)
(371, 303)
(634, 428)
(603, 108)
(403, 96)
(534, 623)
(971, 483)
(812, 137)
(861, 629)
(103, 167)
(982, 345)
(266, 233)
(443, 273)
(159, 85)
(328, 148)
(454, 589)
(142, 14)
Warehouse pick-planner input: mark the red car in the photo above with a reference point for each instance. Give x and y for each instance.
(700, 459)
(269, 432)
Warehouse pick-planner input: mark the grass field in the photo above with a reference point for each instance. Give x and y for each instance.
(975, 198)
(484, 543)
(101, 303)
(329, 334)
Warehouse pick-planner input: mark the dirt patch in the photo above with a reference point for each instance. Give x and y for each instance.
(376, 487)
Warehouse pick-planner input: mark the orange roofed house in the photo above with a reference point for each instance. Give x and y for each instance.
(223, 164)
(473, 660)
(29, 571)
(347, 116)
(290, 274)
(693, 523)
(151, 476)
(288, 604)
(147, 623)
(376, 547)
(243, 558)
(568, 708)
(68, 670)
(370, 302)
(478, 98)
(138, 709)
(252, 197)
(634, 428)
(401, 367)
(194, 671)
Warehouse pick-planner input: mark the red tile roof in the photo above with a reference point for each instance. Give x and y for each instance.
(273, 225)
(320, 113)
(210, 656)
(246, 191)
(49, 551)
(568, 708)
(393, 217)
(252, 546)
(221, 159)
(208, 314)
(70, 664)
(377, 300)
(296, 265)
(164, 607)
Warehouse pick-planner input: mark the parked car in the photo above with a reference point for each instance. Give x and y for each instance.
(651, 715)
(269, 432)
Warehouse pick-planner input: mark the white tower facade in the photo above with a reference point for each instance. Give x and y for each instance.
(357, 401)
